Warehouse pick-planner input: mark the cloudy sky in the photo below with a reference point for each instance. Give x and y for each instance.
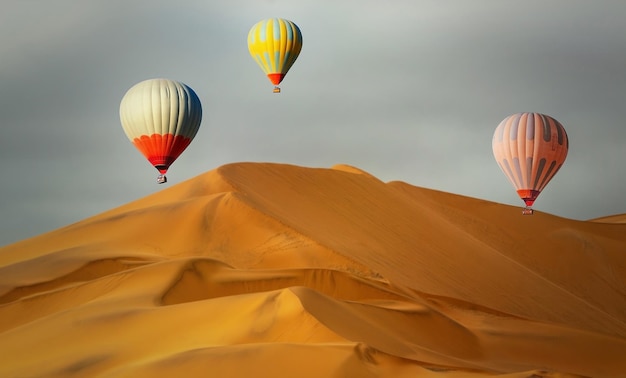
(406, 90)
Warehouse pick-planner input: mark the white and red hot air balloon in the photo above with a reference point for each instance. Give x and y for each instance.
(161, 118)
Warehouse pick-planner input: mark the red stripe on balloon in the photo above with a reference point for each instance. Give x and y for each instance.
(528, 196)
(276, 78)
(161, 150)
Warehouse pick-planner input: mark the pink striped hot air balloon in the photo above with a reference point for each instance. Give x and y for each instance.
(530, 148)
(161, 118)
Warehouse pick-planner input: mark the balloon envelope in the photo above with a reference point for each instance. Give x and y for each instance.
(275, 44)
(530, 148)
(160, 117)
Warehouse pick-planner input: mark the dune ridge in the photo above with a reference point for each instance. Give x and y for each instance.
(315, 272)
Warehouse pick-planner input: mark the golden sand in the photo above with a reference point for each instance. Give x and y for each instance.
(273, 270)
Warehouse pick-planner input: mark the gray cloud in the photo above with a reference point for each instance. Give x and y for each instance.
(408, 91)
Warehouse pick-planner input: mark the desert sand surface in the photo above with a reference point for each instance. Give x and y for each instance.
(275, 270)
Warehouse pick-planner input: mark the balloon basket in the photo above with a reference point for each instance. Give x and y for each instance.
(161, 179)
(276, 90)
(527, 211)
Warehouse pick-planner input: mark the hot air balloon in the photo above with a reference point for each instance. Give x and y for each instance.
(160, 117)
(530, 149)
(275, 44)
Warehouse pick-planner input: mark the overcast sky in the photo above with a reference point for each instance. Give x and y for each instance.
(406, 90)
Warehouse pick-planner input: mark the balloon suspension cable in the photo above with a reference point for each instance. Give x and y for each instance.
(161, 179)
(527, 211)
(277, 89)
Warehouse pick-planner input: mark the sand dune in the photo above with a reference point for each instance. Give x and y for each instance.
(266, 270)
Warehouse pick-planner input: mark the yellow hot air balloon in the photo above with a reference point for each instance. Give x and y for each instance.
(275, 44)
(530, 148)
(160, 117)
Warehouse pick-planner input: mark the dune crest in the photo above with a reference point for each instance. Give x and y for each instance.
(616, 218)
(315, 272)
(351, 169)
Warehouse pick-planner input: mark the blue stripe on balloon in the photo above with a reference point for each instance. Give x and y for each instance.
(276, 26)
(518, 171)
(548, 175)
(560, 131)
(514, 125)
(276, 61)
(513, 131)
(540, 166)
(547, 135)
(263, 31)
(529, 169)
(266, 56)
(530, 127)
